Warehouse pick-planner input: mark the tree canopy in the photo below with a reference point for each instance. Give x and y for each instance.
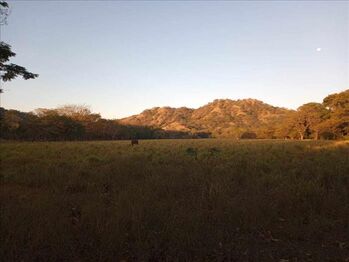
(10, 71)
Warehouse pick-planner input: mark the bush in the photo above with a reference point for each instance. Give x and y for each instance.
(248, 135)
(327, 135)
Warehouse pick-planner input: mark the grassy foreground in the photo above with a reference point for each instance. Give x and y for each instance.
(175, 200)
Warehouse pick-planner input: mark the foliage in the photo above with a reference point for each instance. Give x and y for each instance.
(4, 12)
(308, 119)
(9, 71)
(248, 135)
(338, 105)
(72, 123)
(221, 118)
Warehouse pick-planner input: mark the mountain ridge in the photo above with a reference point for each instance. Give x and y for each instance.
(221, 117)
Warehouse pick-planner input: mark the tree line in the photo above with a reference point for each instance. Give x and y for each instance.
(327, 120)
(72, 122)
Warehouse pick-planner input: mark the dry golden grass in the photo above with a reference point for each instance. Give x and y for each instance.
(175, 200)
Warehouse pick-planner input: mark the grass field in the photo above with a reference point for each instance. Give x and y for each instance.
(175, 200)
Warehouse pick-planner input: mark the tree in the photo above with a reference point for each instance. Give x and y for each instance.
(308, 119)
(78, 112)
(314, 114)
(338, 103)
(10, 71)
(338, 106)
(286, 127)
(4, 11)
(301, 124)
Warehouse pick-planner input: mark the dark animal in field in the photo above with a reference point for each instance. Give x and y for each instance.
(134, 142)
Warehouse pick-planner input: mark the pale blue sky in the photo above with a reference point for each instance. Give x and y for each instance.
(123, 57)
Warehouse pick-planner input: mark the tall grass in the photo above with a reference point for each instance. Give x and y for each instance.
(175, 200)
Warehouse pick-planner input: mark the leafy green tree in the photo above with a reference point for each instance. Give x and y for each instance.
(313, 114)
(8, 70)
(286, 127)
(301, 125)
(338, 106)
(308, 119)
(56, 127)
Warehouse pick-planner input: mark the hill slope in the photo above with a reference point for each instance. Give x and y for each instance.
(220, 118)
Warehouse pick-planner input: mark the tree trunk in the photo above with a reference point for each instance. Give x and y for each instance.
(316, 135)
(301, 136)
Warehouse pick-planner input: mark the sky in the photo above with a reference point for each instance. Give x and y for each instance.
(122, 57)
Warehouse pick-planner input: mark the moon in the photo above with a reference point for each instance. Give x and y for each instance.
(318, 49)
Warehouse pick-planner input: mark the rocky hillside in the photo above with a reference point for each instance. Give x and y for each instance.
(220, 118)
